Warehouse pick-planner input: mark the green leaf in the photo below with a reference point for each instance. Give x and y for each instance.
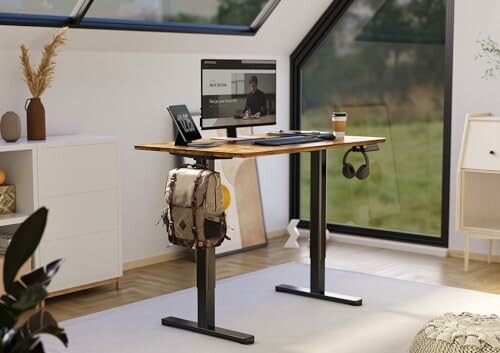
(43, 322)
(25, 338)
(23, 244)
(8, 316)
(26, 344)
(42, 275)
(30, 297)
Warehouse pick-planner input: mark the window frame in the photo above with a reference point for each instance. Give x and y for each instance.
(77, 19)
(299, 56)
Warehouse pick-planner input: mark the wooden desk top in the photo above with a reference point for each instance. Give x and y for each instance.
(247, 149)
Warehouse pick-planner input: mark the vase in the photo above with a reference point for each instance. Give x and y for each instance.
(10, 127)
(35, 119)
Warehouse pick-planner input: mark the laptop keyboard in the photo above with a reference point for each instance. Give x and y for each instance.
(288, 140)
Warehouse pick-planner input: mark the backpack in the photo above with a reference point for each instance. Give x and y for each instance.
(194, 215)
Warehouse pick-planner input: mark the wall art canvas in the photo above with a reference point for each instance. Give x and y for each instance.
(242, 199)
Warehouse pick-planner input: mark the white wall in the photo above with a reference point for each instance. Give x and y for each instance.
(119, 83)
(471, 93)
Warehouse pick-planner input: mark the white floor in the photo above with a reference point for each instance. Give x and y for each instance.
(393, 311)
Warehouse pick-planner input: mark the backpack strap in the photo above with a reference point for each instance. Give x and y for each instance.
(170, 201)
(194, 204)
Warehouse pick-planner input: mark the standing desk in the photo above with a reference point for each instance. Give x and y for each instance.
(205, 258)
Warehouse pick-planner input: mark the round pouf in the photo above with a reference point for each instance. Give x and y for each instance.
(463, 333)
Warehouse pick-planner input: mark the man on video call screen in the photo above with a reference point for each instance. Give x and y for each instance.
(256, 99)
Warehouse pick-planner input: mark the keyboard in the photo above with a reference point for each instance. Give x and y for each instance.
(288, 140)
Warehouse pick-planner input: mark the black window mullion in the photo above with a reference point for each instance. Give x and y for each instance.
(81, 11)
(264, 14)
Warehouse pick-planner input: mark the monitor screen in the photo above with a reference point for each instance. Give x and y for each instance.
(237, 93)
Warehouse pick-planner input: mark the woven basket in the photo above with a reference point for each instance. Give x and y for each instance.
(463, 333)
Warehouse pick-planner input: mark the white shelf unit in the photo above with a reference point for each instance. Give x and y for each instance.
(12, 219)
(19, 163)
(478, 181)
(76, 178)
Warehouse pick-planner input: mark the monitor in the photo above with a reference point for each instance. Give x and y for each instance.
(237, 93)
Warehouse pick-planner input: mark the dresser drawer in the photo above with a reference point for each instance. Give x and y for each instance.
(64, 170)
(482, 149)
(81, 213)
(87, 259)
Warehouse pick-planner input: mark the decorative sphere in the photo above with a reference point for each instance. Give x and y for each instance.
(10, 127)
(3, 176)
(227, 196)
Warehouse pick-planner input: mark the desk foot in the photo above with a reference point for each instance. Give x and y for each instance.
(218, 332)
(333, 297)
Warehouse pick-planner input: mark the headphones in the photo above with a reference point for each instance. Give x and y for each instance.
(348, 170)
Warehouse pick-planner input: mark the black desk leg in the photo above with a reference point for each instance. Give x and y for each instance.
(317, 243)
(205, 273)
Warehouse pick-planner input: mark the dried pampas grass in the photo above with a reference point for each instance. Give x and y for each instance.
(40, 78)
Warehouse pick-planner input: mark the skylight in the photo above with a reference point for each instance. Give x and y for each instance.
(200, 16)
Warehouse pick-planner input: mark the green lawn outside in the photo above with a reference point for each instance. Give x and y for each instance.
(403, 191)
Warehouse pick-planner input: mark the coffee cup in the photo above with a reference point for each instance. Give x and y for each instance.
(339, 124)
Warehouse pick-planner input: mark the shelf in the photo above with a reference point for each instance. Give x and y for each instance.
(12, 218)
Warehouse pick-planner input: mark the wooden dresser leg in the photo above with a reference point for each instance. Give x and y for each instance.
(466, 252)
(490, 249)
(118, 283)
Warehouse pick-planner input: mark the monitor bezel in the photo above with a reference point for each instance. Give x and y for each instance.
(229, 63)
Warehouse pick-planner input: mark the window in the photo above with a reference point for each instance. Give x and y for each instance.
(233, 13)
(206, 16)
(51, 8)
(383, 62)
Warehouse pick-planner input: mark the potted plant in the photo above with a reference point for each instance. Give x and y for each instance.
(21, 320)
(38, 79)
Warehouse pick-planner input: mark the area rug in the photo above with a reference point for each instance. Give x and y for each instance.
(392, 312)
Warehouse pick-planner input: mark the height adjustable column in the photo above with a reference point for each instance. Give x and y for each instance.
(318, 239)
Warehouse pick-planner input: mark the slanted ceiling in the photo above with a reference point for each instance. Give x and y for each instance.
(279, 35)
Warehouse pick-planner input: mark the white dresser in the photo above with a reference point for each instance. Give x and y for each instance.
(76, 178)
(478, 184)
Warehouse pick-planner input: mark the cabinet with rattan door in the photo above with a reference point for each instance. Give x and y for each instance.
(478, 182)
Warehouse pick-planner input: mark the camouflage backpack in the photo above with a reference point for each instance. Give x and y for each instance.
(194, 215)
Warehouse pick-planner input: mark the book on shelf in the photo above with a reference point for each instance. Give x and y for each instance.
(5, 239)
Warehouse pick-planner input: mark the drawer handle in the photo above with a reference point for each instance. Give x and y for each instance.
(492, 152)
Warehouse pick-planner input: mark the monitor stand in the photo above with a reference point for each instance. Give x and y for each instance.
(231, 132)
(232, 136)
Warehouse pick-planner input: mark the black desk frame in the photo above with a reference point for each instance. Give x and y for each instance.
(205, 264)
(317, 244)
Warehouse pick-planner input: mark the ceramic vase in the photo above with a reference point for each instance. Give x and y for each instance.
(10, 127)
(35, 119)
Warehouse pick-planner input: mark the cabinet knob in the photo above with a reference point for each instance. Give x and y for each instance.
(492, 152)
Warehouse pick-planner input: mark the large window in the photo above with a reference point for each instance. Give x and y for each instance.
(206, 16)
(52, 8)
(218, 12)
(382, 62)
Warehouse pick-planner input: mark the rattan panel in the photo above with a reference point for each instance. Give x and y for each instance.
(481, 200)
